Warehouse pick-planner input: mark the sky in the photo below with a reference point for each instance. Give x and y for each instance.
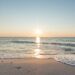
(53, 18)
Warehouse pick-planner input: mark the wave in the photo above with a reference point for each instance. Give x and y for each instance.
(29, 42)
(67, 59)
(64, 44)
(51, 43)
(22, 41)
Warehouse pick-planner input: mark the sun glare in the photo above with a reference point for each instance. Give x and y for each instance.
(38, 32)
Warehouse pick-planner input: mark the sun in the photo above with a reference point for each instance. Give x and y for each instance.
(38, 32)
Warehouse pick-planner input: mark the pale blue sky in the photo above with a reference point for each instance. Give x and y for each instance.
(23, 17)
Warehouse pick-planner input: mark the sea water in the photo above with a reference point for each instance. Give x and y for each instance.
(59, 48)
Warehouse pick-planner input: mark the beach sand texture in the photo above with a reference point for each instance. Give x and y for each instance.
(34, 67)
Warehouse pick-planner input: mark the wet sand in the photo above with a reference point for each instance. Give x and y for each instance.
(34, 67)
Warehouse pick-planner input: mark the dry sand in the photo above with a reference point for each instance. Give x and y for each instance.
(34, 67)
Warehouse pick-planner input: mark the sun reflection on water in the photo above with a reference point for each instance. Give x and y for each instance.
(37, 40)
(37, 51)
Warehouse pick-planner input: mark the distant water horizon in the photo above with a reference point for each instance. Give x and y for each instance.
(35, 36)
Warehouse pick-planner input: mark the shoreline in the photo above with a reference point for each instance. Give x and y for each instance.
(24, 60)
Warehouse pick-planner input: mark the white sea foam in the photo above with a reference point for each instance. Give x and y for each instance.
(67, 59)
(11, 55)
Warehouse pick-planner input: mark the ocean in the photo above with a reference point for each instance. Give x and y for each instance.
(61, 49)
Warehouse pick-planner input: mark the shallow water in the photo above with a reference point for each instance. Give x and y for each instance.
(61, 49)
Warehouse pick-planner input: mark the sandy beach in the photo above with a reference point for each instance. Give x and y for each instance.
(34, 67)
